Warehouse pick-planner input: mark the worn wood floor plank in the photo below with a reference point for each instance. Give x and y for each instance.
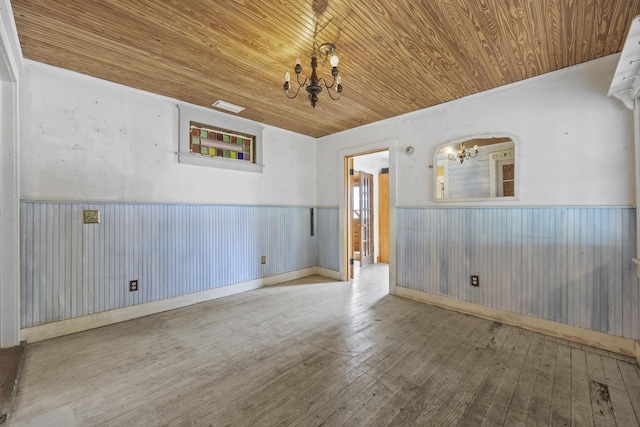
(539, 410)
(419, 374)
(453, 399)
(599, 391)
(623, 408)
(412, 410)
(630, 377)
(316, 351)
(497, 411)
(485, 394)
(601, 405)
(561, 394)
(393, 382)
(612, 373)
(334, 412)
(595, 368)
(371, 365)
(523, 392)
(581, 413)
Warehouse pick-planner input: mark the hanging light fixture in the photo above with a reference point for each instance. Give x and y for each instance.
(313, 85)
(463, 153)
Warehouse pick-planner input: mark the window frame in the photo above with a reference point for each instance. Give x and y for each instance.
(517, 147)
(223, 122)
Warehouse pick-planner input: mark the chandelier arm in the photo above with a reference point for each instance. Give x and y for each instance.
(324, 82)
(304, 83)
(331, 96)
(291, 97)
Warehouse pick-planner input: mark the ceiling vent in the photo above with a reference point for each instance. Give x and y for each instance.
(227, 106)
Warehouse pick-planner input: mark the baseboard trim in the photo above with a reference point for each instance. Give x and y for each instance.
(97, 320)
(601, 340)
(331, 274)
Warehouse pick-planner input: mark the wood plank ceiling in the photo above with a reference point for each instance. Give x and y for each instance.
(396, 56)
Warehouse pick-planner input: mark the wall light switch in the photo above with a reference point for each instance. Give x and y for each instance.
(91, 217)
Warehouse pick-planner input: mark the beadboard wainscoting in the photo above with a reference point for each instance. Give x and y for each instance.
(328, 238)
(71, 269)
(570, 265)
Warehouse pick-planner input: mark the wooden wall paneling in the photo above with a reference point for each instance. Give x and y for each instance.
(26, 260)
(70, 269)
(569, 265)
(41, 275)
(328, 238)
(629, 245)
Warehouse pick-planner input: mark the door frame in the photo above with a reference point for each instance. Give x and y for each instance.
(10, 75)
(344, 224)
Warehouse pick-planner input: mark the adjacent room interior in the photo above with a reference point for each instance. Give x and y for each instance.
(319, 213)
(368, 210)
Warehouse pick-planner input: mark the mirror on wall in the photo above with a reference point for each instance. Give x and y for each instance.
(476, 168)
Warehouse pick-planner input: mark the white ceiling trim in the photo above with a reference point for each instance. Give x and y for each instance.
(10, 51)
(626, 80)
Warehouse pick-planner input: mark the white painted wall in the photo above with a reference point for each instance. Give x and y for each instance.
(576, 143)
(88, 139)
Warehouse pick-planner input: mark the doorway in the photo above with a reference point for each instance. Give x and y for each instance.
(367, 210)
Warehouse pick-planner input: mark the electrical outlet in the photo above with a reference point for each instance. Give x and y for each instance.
(263, 259)
(133, 285)
(475, 280)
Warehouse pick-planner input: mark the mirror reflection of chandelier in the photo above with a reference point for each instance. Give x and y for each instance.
(312, 84)
(463, 153)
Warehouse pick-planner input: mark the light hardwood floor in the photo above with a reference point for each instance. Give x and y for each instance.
(317, 352)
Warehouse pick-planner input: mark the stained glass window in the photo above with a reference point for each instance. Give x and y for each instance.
(209, 141)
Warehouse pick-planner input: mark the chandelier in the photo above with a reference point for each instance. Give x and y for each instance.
(463, 153)
(313, 85)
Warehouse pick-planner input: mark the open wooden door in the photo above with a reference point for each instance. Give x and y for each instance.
(356, 228)
(383, 218)
(351, 184)
(366, 220)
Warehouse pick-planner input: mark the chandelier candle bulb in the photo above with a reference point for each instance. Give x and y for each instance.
(298, 67)
(334, 61)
